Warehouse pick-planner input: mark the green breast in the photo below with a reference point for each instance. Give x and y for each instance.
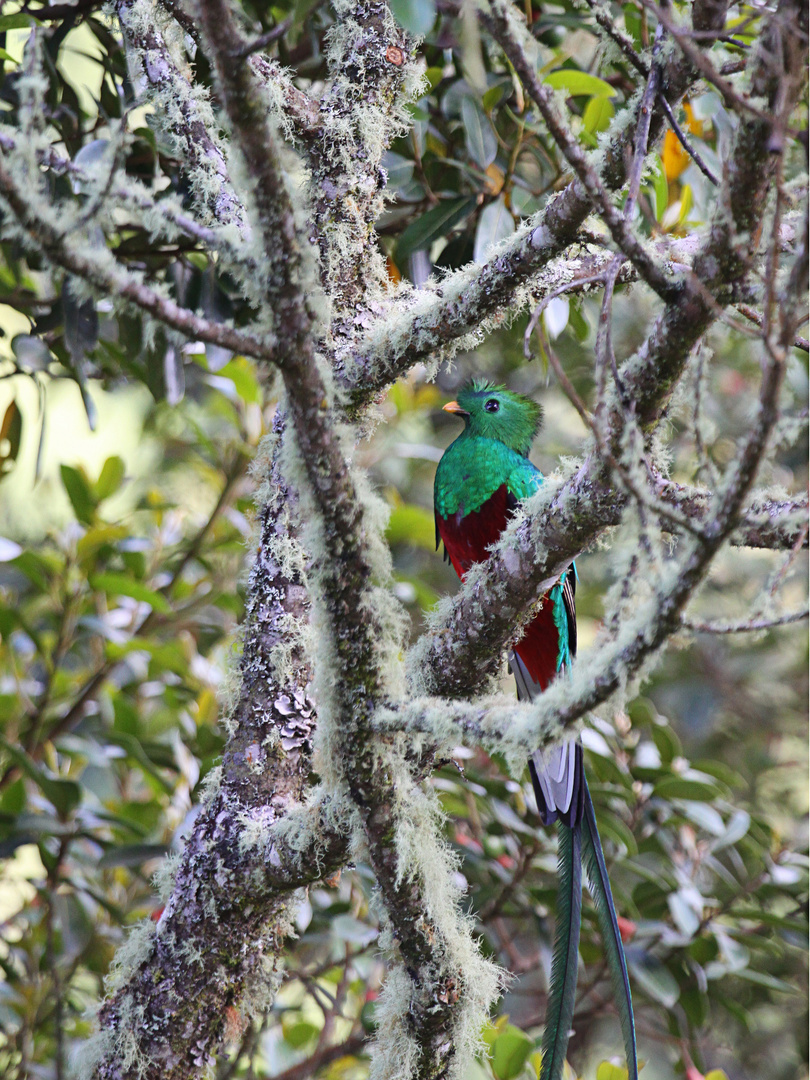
(473, 468)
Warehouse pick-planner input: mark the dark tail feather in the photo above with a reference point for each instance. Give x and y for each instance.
(606, 913)
(560, 1010)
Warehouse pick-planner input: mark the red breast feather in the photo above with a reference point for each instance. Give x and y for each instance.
(467, 539)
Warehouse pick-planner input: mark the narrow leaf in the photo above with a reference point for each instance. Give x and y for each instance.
(110, 477)
(579, 83)
(79, 493)
(598, 113)
(121, 585)
(435, 223)
(482, 145)
(494, 224)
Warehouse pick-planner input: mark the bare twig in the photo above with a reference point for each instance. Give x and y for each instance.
(98, 268)
(686, 144)
(501, 22)
(755, 317)
(268, 38)
(743, 625)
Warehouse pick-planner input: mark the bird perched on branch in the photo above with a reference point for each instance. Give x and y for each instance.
(481, 478)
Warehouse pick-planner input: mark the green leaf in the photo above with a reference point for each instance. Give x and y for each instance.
(656, 980)
(437, 222)
(683, 913)
(79, 492)
(412, 525)
(415, 16)
(686, 203)
(704, 816)
(121, 585)
(598, 113)
(612, 826)
(509, 1051)
(110, 478)
(632, 23)
(242, 374)
(17, 22)
(347, 928)
(493, 96)
(666, 741)
(299, 1033)
(678, 787)
(434, 76)
(65, 795)
(736, 829)
(7, 57)
(770, 982)
(97, 537)
(131, 855)
(399, 169)
(482, 146)
(579, 83)
(606, 1071)
(660, 189)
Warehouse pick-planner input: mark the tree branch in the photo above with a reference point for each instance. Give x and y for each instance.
(508, 30)
(98, 267)
(181, 112)
(727, 255)
(219, 938)
(456, 311)
(431, 937)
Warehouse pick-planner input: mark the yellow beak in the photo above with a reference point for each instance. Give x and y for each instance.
(454, 407)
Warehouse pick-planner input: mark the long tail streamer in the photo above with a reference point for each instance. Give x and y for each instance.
(599, 886)
(562, 994)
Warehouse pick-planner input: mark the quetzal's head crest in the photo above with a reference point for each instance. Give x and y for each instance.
(493, 412)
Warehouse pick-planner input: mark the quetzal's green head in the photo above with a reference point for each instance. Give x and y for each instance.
(493, 412)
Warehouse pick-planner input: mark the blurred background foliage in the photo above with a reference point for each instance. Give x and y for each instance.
(125, 514)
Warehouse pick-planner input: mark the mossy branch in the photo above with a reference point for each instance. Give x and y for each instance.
(45, 231)
(219, 940)
(456, 312)
(181, 110)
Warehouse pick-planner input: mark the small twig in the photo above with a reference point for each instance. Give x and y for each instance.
(800, 542)
(681, 137)
(327, 1054)
(704, 65)
(502, 25)
(259, 43)
(756, 317)
(604, 337)
(175, 9)
(644, 499)
(625, 43)
(733, 67)
(704, 462)
(570, 286)
(743, 625)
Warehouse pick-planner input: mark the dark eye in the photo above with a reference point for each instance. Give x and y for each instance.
(492, 405)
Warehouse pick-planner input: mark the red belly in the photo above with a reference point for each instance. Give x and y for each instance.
(467, 539)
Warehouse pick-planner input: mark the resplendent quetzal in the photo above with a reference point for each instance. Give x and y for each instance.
(481, 478)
